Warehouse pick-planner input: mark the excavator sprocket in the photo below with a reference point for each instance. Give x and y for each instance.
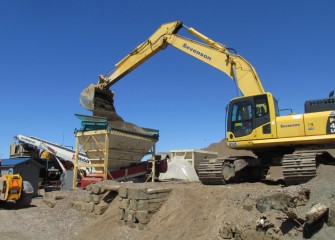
(299, 167)
(210, 171)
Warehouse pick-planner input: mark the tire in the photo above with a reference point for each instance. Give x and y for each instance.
(25, 200)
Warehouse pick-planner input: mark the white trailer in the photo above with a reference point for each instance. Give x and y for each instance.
(193, 156)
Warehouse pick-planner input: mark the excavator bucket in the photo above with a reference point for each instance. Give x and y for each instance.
(93, 98)
(87, 97)
(100, 102)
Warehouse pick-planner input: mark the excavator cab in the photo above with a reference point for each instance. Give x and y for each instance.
(241, 117)
(249, 113)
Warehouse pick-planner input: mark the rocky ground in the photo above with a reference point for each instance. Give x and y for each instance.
(190, 211)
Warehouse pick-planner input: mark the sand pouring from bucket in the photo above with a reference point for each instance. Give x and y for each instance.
(94, 98)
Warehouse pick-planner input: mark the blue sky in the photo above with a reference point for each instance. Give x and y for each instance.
(51, 50)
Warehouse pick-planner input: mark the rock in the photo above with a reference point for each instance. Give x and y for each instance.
(317, 212)
(263, 205)
(96, 189)
(121, 214)
(59, 196)
(50, 202)
(87, 197)
(225, 232)
(263, 224)
(96, 198)
(100, 208)
(89, 207)
(138, 194)
(142, 216)
(124, 203)
(123, 192)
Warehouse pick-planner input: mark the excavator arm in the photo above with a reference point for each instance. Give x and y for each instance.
(218, 56)
(210, 52)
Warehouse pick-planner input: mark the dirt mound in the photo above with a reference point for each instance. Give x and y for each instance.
(191, 211)
(195, 211)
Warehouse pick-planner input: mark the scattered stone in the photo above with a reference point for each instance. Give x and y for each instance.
(123, 192)
(138, 194)
(121, 214)
(59, 196)
(100, 208)
(263, 224)
(317, 212)
(124, 203)
(110, 188)
(96, 189)
(142, 216)
(133, 204)
(89, 187)
(50, 202)
(87, 198)
(96, 198)
(89, 207)
(225, 232)
(276, 201)
(291, 214)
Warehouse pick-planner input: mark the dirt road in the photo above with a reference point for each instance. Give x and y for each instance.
(40, 221)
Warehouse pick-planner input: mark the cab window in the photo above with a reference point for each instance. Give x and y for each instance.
(241, 118)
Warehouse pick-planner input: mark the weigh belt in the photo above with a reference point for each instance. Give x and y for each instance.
(210, 171)
(299, 167)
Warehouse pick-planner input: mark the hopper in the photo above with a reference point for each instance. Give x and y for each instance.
(114, 145)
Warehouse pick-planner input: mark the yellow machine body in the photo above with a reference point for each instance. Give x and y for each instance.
(10, 187)
(279, 131)
(295, 141)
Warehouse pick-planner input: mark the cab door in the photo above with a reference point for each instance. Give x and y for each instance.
(262, 127)
(249, 118)
(241, 117)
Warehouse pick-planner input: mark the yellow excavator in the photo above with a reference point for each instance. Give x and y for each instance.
(297, 142)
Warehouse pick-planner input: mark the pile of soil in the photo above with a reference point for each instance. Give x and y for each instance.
(104, 107)
(196, 211)
(191, 211)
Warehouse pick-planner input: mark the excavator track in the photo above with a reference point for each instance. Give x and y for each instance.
(228, 170)
(210, 171)
(299, 167)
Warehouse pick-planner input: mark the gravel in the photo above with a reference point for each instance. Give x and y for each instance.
(41, 221)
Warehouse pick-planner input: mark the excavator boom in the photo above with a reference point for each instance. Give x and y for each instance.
(99, 96)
